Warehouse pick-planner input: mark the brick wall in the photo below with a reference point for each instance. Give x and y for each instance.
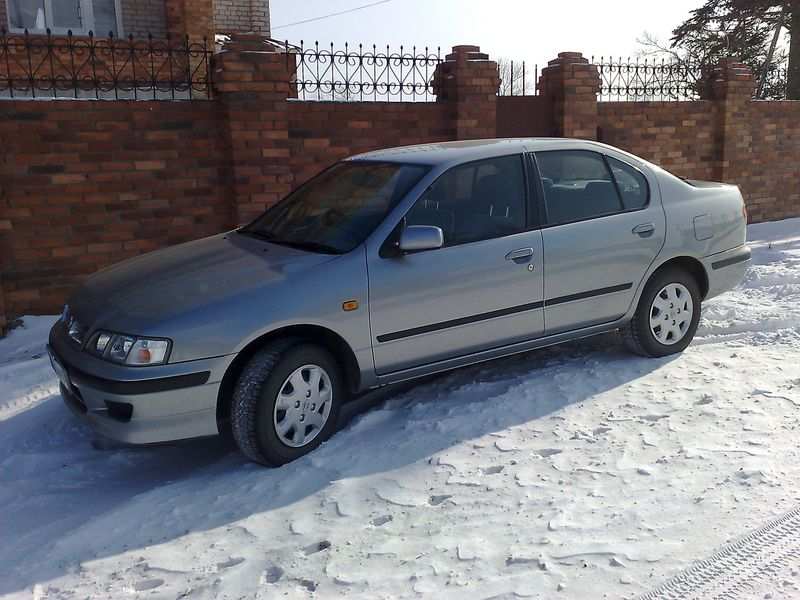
(528, 116)
(688, 139)
(87, 184)
(769, 168)
(678, 136)
(241, 16)
(194, 18)
(321, 133)
(467, 81)
(140, 17)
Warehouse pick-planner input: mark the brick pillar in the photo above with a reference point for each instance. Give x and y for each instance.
(731, 88)
(571, 85)
(194, 18)
(469, 81)
(252, 82)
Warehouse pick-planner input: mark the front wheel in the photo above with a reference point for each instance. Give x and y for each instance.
(286, 402)
(667, 316)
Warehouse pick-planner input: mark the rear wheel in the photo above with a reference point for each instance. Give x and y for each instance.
(286, 402)
(667, 316)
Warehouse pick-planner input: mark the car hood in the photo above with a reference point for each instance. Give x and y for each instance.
(140, 294)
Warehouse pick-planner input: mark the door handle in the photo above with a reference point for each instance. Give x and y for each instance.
(644, 230)
(519, 254)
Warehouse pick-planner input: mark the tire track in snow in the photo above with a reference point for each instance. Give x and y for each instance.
(748, 564)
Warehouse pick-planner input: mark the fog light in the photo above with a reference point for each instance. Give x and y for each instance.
(102, 342)
(119, 411)
(120, 347)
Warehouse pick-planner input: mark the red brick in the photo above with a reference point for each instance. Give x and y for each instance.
(130, 185)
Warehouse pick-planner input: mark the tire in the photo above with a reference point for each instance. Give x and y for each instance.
(255, 419)
(671, 337)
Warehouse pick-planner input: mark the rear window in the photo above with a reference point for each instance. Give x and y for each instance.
(631, 183)
(577, 186)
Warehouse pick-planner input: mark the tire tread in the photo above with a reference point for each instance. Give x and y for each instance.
(632, 339)
(246, 396)
(634, 331)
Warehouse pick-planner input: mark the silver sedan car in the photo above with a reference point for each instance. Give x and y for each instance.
(386, 267)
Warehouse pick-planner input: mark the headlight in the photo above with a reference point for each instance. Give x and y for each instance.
(120, 347)
(129, 350)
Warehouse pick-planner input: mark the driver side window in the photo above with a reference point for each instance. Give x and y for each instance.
(476, 201)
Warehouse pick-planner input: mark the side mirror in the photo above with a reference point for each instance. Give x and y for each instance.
(416, 238)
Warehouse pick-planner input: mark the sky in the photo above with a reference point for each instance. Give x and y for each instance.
(531, 30)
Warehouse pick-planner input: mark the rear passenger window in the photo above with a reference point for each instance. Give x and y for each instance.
(631, 183)
(476, 201)
(577, 185)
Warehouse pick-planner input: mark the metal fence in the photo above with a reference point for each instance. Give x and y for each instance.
(362, 73)
(517, 78)
(775, 84)
(627, 79)
(637, 80)
(51, 66)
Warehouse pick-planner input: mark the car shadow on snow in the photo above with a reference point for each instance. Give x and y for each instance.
(65, 502)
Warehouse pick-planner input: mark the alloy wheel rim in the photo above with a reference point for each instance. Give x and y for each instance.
(671, 314)
(303, 406)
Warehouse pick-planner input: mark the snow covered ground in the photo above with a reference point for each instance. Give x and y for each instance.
(579, 471)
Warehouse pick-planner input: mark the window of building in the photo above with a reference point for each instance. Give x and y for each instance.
(60, 16)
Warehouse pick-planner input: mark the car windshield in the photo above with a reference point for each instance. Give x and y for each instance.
(336, 211)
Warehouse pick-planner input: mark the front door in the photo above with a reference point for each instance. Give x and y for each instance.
(481, 290)
(604, 227)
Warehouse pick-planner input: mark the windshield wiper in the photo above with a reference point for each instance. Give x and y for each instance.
(310, 246)
(262, 235)
(270, 237)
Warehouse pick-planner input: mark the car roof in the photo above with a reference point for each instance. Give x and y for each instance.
(445, 153)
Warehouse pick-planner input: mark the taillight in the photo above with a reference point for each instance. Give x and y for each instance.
(744, 211)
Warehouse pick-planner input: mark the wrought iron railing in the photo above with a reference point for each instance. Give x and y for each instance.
(775, 85)
(517, 78)
(627, 79)
(632, 79)
(362, 73)
(70, 66)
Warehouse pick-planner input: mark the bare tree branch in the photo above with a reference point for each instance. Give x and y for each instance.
(516, 78)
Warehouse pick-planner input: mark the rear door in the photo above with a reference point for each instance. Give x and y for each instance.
(482, 290)
(604, 226)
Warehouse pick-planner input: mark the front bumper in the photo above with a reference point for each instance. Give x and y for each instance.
(726, 269)
(138, 405)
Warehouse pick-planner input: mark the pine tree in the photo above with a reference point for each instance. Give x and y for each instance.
(746, 29)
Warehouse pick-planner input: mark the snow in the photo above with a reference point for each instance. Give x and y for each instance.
(573, 472)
